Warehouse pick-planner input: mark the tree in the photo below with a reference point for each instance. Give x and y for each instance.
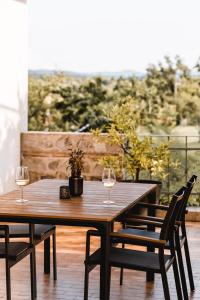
(83, 104)
(135, 153)
(168, 95)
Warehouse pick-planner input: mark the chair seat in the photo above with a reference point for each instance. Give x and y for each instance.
(15, 249)
(131, 259)
(17, 231)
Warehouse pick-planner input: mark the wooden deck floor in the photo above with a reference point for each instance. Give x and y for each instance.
(69, 286)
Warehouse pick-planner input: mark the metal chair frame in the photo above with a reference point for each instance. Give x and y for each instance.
(167, 234)
(10, 261)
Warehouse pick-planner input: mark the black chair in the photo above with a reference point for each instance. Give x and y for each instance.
(180, 233)
(42, 233)
(13, 252)
(142, 260)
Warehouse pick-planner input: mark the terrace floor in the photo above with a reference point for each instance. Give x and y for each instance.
(69, 286)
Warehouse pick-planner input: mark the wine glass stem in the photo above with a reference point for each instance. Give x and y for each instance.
(22, 193)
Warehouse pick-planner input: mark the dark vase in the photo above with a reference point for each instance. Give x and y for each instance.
(76, 186)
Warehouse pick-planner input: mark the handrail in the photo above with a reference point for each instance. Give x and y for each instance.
(184, 146)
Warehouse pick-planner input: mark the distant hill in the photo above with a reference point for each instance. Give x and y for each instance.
(125, 74)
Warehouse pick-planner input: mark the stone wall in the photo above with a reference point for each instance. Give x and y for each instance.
(46, 153)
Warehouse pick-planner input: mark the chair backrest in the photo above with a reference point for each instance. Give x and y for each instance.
(172, 214)
(190, 184)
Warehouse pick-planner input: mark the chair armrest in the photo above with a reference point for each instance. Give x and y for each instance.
(137, 240)
(154, 206)
(150, 218)
(133, 221)
(150, 221)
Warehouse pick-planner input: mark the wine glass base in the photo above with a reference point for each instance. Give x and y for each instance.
(108, 202)
(21, 201)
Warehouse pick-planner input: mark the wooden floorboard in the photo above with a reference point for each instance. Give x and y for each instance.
(69, 286)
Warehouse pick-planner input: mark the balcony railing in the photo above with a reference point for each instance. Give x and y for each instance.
(187, 150)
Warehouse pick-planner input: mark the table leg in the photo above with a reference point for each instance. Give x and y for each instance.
(104, 268)
(33, 262)
(151, 212)
(47, 256)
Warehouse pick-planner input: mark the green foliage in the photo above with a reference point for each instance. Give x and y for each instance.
(76, 162)
(166, 96)
(115, 162)
(42, 113)
(137, 154)
(66, 104)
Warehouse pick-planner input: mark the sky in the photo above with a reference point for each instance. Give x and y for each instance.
(111, 35)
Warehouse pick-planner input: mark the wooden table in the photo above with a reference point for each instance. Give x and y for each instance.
(45, 207)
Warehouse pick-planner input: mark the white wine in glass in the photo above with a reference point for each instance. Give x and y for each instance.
(22, 179)
(108, 180)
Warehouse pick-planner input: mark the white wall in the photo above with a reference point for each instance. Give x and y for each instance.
(13, 87)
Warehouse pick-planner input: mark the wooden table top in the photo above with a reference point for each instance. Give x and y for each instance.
(44, 202)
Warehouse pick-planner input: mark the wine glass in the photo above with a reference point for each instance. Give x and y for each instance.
(22, 179)
(108, 180)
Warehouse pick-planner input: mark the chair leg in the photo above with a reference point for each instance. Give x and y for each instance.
(164, 275)
(177, 280)
(165, 285)
(122, 270)
(121, 276)
(189, 266)
(181, 268)
(47, 256)
(109, 274)
(54, 257)
(33, 276)
(8, 283)
(86, 283)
